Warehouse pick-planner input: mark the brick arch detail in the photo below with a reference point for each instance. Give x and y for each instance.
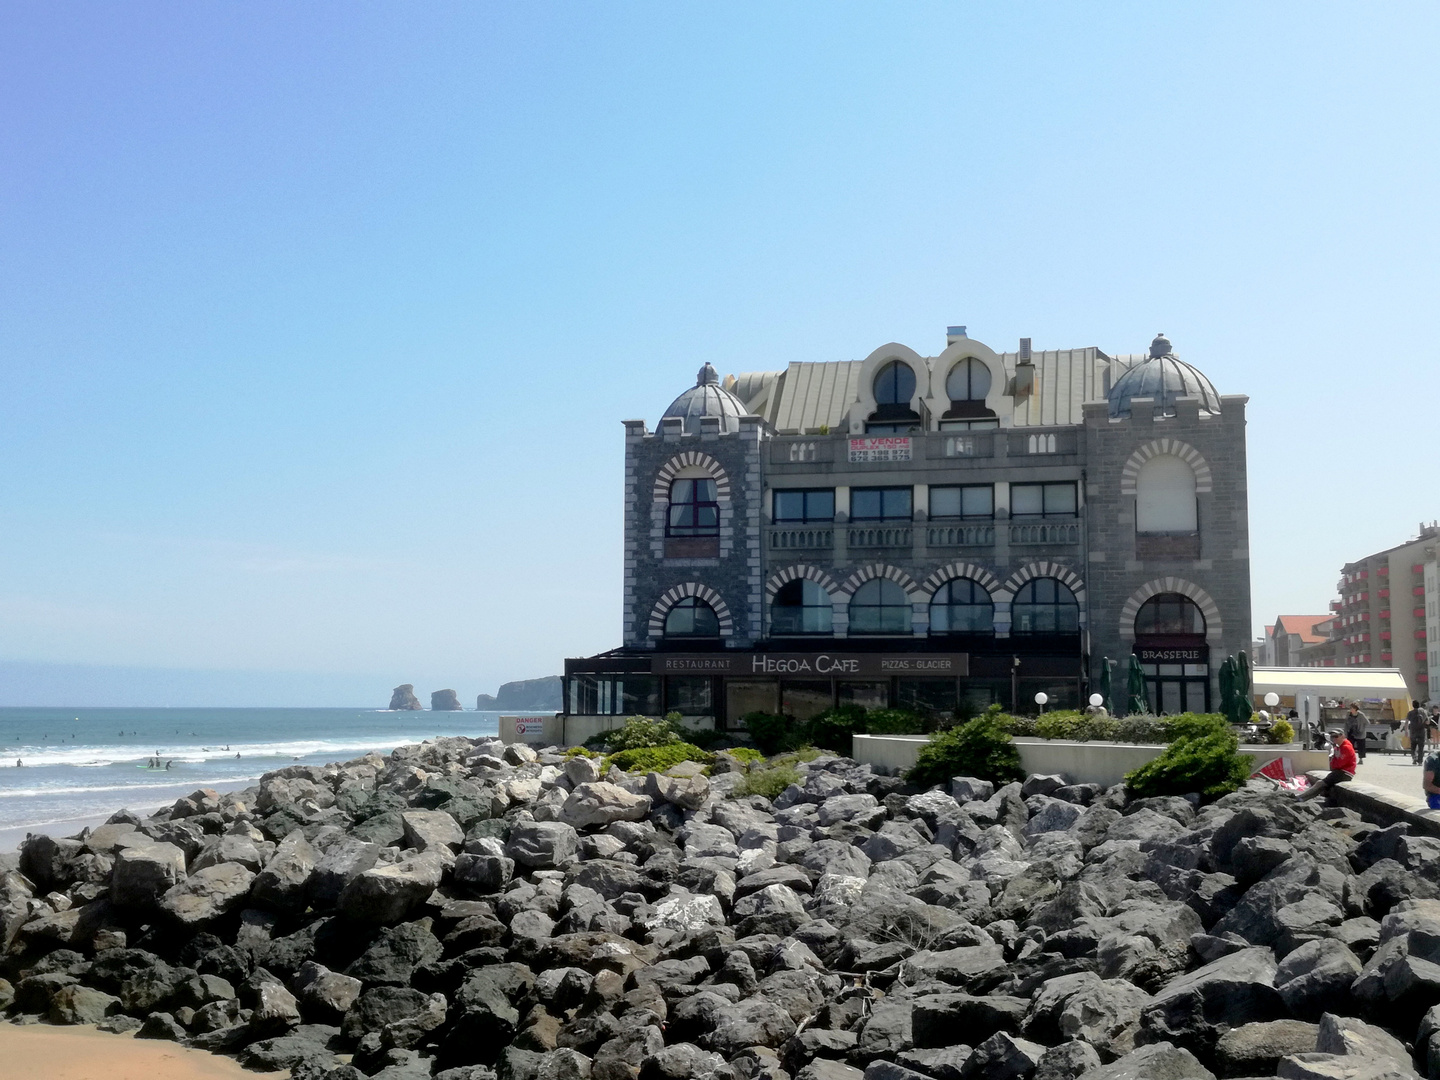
(685, 460)
(674, 595)
(1060, 572)
(988, 581)
(802, 571)
(881, 570)
(1130, 474)
(1214, 625)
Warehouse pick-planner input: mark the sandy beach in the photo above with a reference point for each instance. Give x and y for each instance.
(43, 1052)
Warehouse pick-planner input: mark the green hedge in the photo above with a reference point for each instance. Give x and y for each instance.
(832, 730)
(659, 758)
(1204, 757)
(981, 748)
(1073, 726)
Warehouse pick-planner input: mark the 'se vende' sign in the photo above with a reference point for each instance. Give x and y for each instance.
(882, 448)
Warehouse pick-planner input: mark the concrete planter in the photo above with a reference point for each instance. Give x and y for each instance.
(1104, 763)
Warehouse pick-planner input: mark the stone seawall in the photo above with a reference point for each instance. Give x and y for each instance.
(468, 910)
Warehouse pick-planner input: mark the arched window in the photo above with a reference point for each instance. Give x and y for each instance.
(693, 509)
(692, 618)
(1170, 613)
(1165, 496)
(880, 607)
(894, 384)
(962, 606)
(1044, 606)
(969, 380)
(801, 607)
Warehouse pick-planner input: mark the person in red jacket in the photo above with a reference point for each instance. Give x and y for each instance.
(1342, 765)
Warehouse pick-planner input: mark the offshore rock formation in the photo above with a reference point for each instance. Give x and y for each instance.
(538, 694)
(403, 697)
(445, 701)
(466, 910)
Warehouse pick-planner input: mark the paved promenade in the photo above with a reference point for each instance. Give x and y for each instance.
(1393, 772)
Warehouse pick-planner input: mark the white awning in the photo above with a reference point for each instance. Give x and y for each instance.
(1333, 682)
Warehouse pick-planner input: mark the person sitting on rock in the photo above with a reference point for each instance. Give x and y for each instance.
(1342, 765)
(1428, 777)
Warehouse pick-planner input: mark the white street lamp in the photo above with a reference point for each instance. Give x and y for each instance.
(1041, 698)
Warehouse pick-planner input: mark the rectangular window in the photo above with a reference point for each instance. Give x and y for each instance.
(968, 425)
(1037, 501)
(973, 501)
(881, 504)
(809, 505)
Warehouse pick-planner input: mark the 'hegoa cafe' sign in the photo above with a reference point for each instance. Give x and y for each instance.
(816, 665)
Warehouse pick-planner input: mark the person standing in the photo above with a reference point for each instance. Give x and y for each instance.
(1342, 766)
(1417, 722)
(1356, 725)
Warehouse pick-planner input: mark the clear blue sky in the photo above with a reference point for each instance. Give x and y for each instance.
(318, 322)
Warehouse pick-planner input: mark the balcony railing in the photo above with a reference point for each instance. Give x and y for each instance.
(881, 536)
(1046, 532)
(802, 537)
(960, 535)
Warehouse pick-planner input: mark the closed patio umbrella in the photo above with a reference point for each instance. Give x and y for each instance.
(1135, 687)
(1106, 690)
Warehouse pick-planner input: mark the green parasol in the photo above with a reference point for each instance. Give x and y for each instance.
(1227, 689)
(1244, 694)
(1106, 690)
(1135, 687)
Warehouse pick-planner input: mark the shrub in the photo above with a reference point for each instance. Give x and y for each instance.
(1139, 728)
(1027, 727)
(641, 731)
(747, 754)
(833, 728)
(767, 782)
(659, 758)
(1281, 732)
(981, 748)
(1205, 762)
(1196, 725)
(709, 738)
(893, 722)
(772, 733)
(1073, 725)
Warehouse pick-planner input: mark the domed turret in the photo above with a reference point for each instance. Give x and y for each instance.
(1164, 377)
(707, 398)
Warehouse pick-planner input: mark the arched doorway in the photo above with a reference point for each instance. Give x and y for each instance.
(1170, 642)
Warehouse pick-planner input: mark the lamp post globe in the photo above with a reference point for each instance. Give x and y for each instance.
(1096, 699)
(1041, 698)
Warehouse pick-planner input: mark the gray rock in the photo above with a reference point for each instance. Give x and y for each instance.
(1158, 1061)
(386, 894)
(686, 792)
(208, 894)
(143, 874)
(596, 805)
(161, 1025)
(1055, 816)
(431, 830)
(823, 1069)
(400, 1015)
(965, 789)
(283, 882)
(620, 1058)
(1041, 784)
(1067, 1061)
(342, 859)
(1256, 1049)
(1003, 1057)
(937, 1018)
(1346, 1036)
(1316, 978)
(542, 845)
(1191, 1010)
(392, 958)
(836, 857)
(483, 873)
(78, 1004)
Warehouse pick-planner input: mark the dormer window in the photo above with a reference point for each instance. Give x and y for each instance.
(894, 387)
(966, 386)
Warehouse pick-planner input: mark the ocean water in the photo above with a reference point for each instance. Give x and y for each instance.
(63, 768)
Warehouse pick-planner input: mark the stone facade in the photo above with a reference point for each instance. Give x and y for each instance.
(1099, 553)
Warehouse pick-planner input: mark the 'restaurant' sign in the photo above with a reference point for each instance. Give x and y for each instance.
(885, 448)
(813, 665)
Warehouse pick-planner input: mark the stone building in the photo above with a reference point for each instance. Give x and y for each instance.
(930, 532)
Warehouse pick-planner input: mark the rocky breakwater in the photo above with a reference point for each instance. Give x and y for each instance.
(463, 910)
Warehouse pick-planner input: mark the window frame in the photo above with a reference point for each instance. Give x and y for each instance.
(969, 363)
(828, 607)
(692, 509)
(1156, 601)
(1054, 606)
(894, 364)
(690, 603)
(880, 629)
(806, 517)
(962, 516)
(909, 491)
(948, 588)
(1046, 514)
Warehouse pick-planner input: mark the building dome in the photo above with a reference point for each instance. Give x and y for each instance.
(1164, 377)
(707, 398)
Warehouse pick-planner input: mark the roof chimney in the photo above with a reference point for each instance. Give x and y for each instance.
(954, 334)
(1024, 370)
(1024, 350)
